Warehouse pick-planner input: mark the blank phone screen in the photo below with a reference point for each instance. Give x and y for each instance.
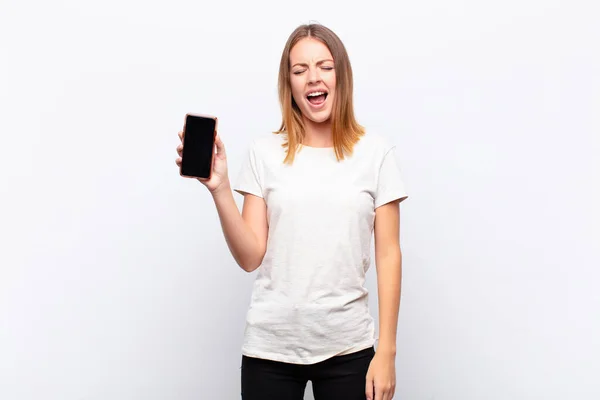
(198, 146)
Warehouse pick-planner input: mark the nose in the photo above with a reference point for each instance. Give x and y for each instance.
(313, 76)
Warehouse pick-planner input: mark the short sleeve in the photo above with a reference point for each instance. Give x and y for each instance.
(248, 180)
(390, 185)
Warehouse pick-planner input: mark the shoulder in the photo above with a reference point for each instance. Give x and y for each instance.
(267, 148)
(373, 144)
(267, 143)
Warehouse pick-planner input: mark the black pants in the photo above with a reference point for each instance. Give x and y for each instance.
(341, 377)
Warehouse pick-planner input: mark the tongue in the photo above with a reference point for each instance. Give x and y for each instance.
(316, 100)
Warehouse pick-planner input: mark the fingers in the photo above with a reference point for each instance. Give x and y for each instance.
(179, 149)
(369, 388)
(382, 392)
(378, 394)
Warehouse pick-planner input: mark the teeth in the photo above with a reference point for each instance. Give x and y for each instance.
(315, 94)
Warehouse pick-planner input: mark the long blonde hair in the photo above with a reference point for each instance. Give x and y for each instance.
(345, 129)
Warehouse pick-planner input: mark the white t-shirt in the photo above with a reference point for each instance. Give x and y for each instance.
(309, 302)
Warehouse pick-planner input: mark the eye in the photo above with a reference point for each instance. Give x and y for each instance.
(328, 68)
(298, 72)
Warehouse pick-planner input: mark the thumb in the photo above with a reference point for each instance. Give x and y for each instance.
(369, 388)
(220, 146)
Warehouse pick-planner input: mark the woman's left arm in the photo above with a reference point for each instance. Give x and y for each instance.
(381, 378)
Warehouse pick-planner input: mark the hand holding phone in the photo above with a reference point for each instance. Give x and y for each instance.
(197, 157)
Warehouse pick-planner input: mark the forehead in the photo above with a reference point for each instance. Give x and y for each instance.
(309, 50)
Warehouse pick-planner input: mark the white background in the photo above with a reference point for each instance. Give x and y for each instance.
(115, 280)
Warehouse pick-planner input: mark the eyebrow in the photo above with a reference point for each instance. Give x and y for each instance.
(306, 65)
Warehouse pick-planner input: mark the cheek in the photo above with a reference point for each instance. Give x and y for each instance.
(296, 86)
(332, 94)
(332, 81)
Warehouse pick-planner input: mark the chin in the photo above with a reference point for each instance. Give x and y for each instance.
(319, 119)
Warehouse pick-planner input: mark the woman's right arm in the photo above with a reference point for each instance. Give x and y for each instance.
(245, 233)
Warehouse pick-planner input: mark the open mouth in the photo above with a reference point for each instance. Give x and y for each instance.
(316, 98)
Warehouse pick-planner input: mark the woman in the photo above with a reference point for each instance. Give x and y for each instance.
(314, 193)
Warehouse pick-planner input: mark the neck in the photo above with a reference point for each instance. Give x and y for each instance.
(317, 134)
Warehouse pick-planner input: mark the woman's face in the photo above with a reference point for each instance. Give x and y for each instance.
(312, 79)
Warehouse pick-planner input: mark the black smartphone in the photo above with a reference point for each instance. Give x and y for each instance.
(197, 158)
